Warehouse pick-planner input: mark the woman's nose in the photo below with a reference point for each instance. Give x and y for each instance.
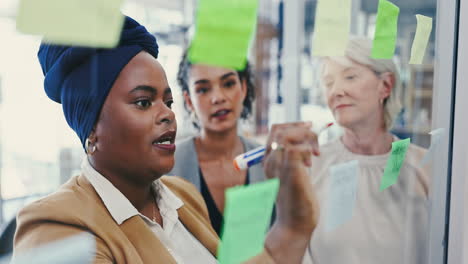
(337, 89)
(218, 96)
(167, 116)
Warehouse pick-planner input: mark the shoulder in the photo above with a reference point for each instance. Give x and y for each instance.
(414, 157)
(68, 204)
(415, 153)
(186, 161)
(68, 211)
(330, 153)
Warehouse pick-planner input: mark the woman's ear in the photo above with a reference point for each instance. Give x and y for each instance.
(188, 101)
(92, 136)
(244, 88)
(388, 83)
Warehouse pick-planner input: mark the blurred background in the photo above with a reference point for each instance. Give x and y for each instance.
(38, 151)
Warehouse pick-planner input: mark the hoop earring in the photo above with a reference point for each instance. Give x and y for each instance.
(90, 149)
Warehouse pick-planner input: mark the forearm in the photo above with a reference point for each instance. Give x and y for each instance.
(286, 245)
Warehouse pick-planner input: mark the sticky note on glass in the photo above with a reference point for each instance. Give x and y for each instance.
(386, 29)
(332, 27)
(341, 194)
(394, 163)
(223, 32)
(88, 23)
(247, 216)
(421, 38)
(436, 139)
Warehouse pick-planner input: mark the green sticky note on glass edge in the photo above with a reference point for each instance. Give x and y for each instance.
(223, 31)
(88, 23)
(247, 216)
(386, 28)
(332, 27)
(421, 38)
(394, 163)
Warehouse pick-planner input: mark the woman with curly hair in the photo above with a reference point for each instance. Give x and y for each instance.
(216, 98)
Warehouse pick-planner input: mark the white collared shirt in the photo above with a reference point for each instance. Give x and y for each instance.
(182, 245)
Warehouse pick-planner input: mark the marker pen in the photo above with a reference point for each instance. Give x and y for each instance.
(255, 156)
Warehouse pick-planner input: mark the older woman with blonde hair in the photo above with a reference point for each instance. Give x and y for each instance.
(386, 226)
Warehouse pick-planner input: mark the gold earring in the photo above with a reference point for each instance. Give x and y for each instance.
(90, 149)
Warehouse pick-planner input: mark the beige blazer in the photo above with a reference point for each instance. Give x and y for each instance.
(77, 208)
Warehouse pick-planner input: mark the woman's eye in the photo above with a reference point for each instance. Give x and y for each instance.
(350, 77)
(143, 103)
(169, 103)
(230, 84)
(202, 90)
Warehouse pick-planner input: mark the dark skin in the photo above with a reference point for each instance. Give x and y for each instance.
(137, 112)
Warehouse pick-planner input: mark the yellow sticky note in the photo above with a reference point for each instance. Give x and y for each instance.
(332, 26)
(421, 38)
(89, 23)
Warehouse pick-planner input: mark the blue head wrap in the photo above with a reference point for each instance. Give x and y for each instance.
(80, 78)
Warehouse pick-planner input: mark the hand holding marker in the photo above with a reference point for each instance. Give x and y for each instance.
(255, 156)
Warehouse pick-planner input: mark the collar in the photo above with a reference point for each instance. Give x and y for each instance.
(118, 205)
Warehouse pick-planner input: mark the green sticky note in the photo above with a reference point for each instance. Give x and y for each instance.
(332, 26)
(385, 30)
(421, 38)
(247, 216)
(89, 23)
(223, 32)
(394, 163)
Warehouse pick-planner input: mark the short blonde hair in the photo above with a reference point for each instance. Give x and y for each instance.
(359, 50)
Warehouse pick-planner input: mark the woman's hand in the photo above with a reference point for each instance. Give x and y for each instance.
(297, 207)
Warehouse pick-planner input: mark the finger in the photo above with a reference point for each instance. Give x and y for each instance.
(299, 135)
(312, 139)
(273, 163)
(276, 135)
(271, 137)
(280, 128)
(298, 155)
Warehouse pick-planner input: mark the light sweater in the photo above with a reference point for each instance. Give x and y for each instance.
(387, 227)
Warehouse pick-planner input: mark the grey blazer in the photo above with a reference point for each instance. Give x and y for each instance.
(187, 167)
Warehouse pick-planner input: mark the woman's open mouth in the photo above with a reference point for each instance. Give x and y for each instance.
(221, 114)
(165, 142)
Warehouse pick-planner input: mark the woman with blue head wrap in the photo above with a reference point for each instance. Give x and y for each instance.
(118, 101)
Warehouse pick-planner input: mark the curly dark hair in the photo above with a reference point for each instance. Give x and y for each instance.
(245, 74)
